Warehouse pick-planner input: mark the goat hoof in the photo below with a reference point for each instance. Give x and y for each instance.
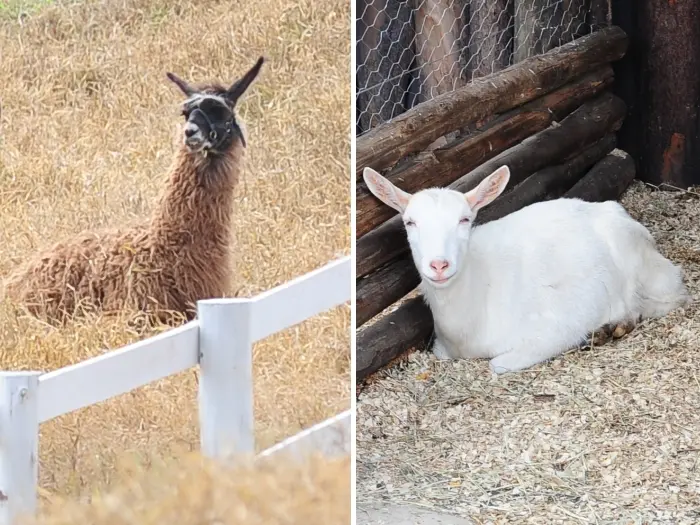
(602, 335)
(623, 329)
(619, 331)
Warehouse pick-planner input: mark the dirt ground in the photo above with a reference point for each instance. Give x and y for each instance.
(606, 435)
(87, 131)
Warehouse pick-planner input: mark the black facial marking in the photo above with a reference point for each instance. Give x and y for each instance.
(215, 120)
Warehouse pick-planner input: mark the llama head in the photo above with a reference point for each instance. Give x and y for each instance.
(211, 125)
(438, 221)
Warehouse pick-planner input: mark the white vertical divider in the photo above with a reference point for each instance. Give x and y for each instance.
(19, 444)
(226, 381)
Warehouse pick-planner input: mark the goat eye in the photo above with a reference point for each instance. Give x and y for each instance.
(464, 220)
(410, 223)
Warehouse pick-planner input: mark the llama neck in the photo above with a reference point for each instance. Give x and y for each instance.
(198, 202)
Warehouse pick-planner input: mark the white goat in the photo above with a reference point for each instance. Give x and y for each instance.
(527, 287)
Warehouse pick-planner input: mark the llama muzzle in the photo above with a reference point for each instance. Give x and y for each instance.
(199, 132)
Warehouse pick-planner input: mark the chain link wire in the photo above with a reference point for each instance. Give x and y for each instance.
(410, 51)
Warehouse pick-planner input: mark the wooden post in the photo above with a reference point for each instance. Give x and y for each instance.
(384, 55)
(600, 15)
(491, 36)
(526, 31)
(439, 25)
(551, 182)
(659, 82)
(541, 25)
(226, 382)
(19, 444)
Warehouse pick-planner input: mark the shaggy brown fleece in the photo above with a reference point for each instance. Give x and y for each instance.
(165, 266)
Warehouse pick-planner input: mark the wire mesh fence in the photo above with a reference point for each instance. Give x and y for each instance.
(409, 51)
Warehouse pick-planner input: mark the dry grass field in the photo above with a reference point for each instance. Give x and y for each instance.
(273, 493)
(609, 435)
(87, 131)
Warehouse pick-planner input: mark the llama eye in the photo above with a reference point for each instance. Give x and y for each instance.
(410, 223)
(464, 220)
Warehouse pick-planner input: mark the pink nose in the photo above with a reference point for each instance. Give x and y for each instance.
(439, 265)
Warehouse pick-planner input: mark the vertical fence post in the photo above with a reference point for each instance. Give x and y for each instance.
(226, 380)
(19, 444)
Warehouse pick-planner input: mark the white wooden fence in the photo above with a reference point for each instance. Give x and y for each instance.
(220, 341)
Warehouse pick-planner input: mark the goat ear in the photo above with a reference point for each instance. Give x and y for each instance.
(385, 191)
(488, 189)
(240, 86)
(184, 86)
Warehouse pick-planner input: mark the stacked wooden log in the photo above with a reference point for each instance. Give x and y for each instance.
(551, 119)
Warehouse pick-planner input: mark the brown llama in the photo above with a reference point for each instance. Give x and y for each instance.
(181, 255)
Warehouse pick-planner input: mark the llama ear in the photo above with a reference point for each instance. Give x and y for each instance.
(385, 191)
(240, 86)
(488, 189)
(184, 86)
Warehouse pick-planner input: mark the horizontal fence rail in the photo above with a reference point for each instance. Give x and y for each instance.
(108, 375)
(220, 342)
(300, 299)
(331, 438)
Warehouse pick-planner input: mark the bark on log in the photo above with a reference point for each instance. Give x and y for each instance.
(415, 129)
(443, 166)
(411, 324)
(384, 287)
(384, 55)
(439, 28)
(587, 124)
(552, 182)
(526, 22)
(541, 25)
(400, 276)
(491, 36)
(607, 180)
(659, 80)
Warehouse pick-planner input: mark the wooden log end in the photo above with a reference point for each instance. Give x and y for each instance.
(378, 344)
(607, 179)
